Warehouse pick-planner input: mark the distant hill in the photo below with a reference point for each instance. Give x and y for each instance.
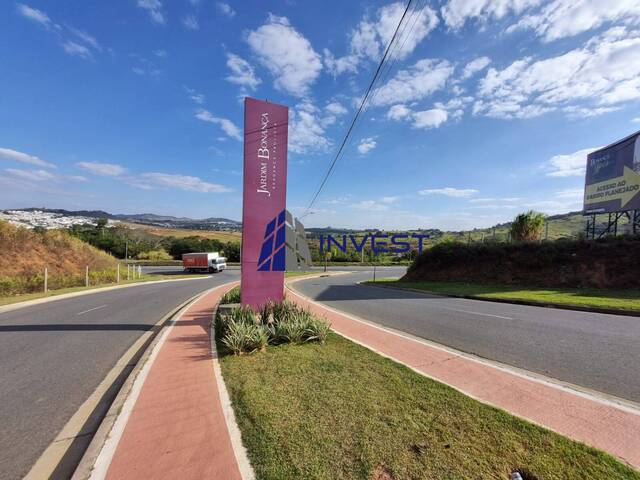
(566, 225)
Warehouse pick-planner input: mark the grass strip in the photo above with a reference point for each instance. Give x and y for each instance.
(8, 300)
(340, 411)
(588, 297)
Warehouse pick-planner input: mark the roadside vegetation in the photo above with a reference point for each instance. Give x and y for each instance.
(607, 263)
(242, 331)
(624, 300)
(141, 244)
(339, 410)
(528, 226)
(26, 253)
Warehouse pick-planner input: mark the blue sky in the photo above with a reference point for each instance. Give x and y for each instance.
(490, 106)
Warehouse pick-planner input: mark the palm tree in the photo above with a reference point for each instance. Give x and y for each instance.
(528, 226)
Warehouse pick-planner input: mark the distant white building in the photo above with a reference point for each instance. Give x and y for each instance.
(48, 220)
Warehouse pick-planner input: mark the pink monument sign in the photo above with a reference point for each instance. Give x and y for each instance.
(264, 202)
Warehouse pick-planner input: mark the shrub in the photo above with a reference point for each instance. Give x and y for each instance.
(155, 255)
(527, 226)
(232, 296)
(244, 331)
(605, 263)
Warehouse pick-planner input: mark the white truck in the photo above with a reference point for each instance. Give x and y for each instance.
(210, 262)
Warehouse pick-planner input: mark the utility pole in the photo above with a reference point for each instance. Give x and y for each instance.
(126, 250)
(118, 273)
(86, 276)
(46, 279)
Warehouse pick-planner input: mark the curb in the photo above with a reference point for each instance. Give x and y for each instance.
(529, 303)
(239, 450)
(596, 397)
(601, 397)
(86, 464)
(63, 296)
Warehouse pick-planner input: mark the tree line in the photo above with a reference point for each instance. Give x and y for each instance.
(121, 241)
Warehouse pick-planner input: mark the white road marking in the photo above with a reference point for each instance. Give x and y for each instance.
(91, 309)
(475, 313)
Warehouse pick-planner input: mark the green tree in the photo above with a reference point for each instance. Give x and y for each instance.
(527, 226)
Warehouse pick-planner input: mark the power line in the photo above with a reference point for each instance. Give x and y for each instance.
(393, 56)
(355, 118)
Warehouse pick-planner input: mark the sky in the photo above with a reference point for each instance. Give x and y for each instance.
(487, 107)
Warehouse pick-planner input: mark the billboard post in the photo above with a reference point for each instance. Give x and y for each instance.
(264, 202)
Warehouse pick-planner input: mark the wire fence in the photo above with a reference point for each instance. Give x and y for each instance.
(47, 279)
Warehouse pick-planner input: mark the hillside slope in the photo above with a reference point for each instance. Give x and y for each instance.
(25, 252)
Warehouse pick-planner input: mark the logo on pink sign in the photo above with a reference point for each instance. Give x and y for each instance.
(263, 201)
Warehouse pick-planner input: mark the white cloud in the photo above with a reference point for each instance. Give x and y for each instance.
(475, 66)
(449, 192)
(73, 48)
(456, 12)
(398, 112)
(371, 37)
(182, 182)
(227, 126)
(42, 175)
(306, 130)
(194, 96)
(104, 169)
(389, 199)
(86, 38)
(160, 53)
(429, 118)
(336, 108)
(21, 157)
(605, 72)
(242, 73)
(366, 145)
(154, 9)
(566, 18)
(571, 165)
(73, 41)
(190, 22)
(636, 120)
(35, 15)
(488, 200)
(226, 9)
(372, 205)
(32, 175)
(414, 83)
(287, 54)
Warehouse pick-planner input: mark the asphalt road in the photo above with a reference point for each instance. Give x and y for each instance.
(54, 355)
(597, 351)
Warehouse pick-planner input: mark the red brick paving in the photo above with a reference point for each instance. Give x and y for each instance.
(177, 428)
(602, 425)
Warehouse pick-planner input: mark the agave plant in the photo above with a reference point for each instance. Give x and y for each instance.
(238, 337)
(317, 330)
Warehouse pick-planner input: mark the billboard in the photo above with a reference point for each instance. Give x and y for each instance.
(263, 202)
(612, 181)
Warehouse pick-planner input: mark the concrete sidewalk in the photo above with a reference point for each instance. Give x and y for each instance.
(596, 422)
(174, 424)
